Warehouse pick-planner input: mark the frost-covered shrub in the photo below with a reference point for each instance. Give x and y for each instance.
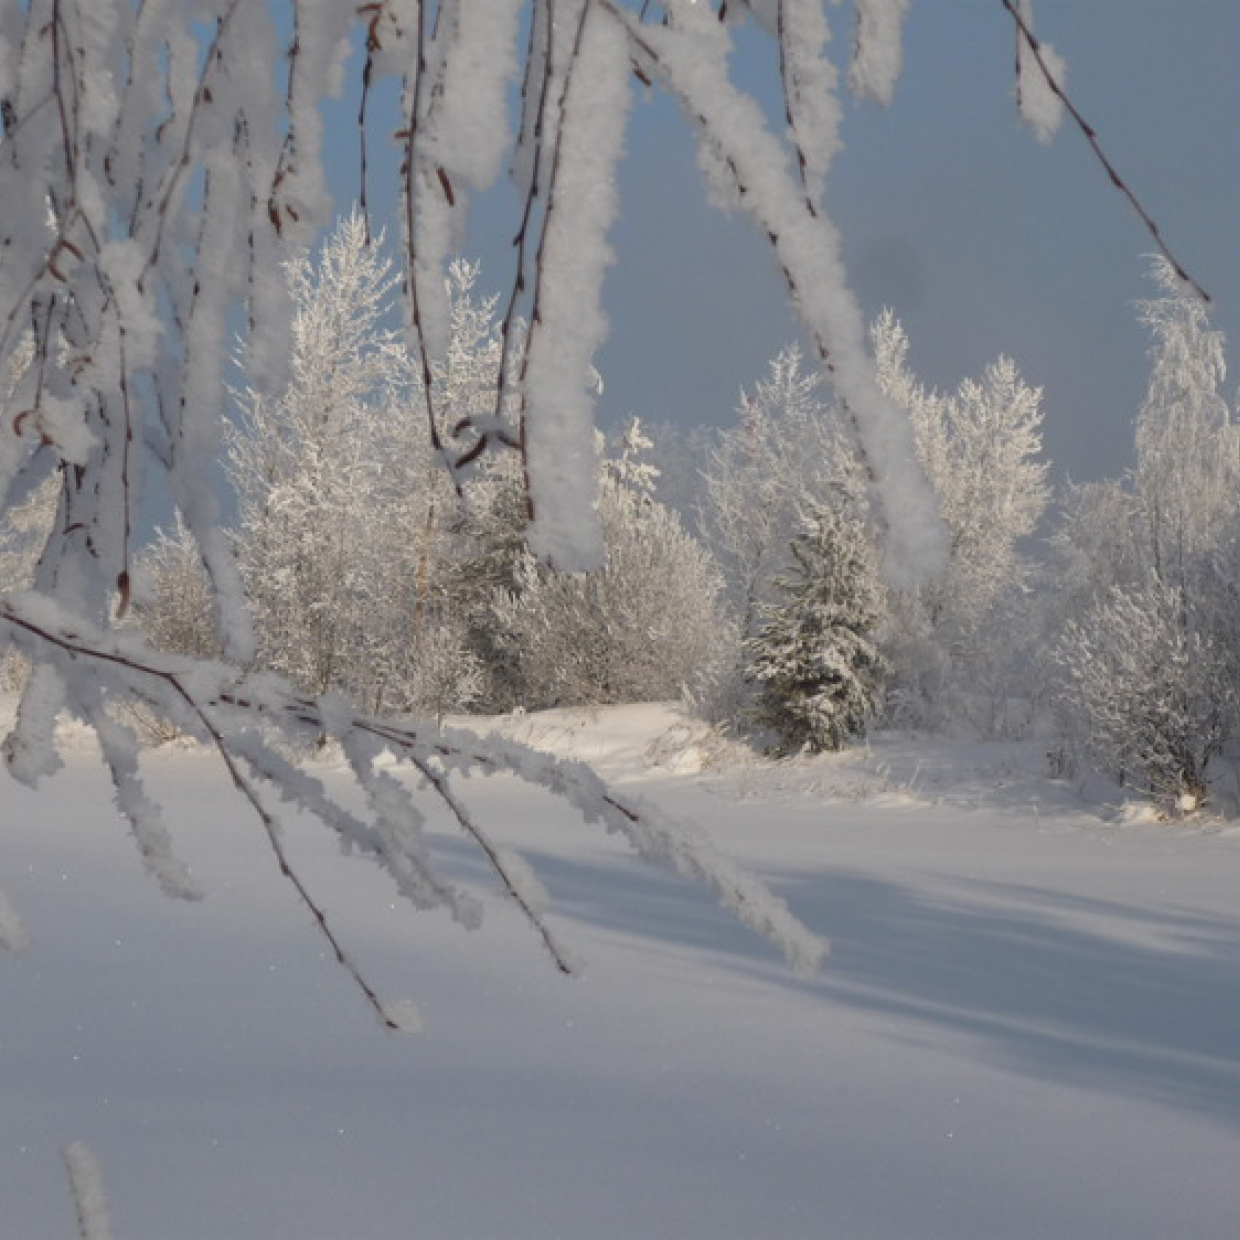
(637, 629)
(815, 663)
(174, 604)
(1146, 693)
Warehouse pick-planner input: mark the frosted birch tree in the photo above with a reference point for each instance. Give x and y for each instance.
(1187, 442)
(981, 448)
(312, 468)
(1149, 675)
(173, 602)
(786, 450)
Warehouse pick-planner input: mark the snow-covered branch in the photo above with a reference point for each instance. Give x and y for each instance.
(246, 718)
(1043, 99)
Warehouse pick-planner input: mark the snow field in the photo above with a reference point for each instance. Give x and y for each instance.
(1027, 1026)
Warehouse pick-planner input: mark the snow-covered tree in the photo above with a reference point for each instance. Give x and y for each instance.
(1187, 475)
(637, 629)
(174, 605)
(1174, 515)
(26, 525)
(1150, 575)
(328, 527)
(814, 657)
(1147, 696)
(682, 453)
(981, 449)
(787, 450)
(349, 531)
(22, 538)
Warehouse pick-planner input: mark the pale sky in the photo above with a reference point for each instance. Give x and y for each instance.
(982, 240)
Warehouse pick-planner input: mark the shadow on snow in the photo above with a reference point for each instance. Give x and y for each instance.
(1076, 991)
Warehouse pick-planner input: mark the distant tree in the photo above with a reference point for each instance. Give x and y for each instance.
(1149, 651)
(174, 604)
(682, 453)
(1147, 696)
(1175, 514)
(637, 629)
(1187, 477)
(787, 450)
(981, 449)
(346, 518)
(814, 658)
(1098, 543)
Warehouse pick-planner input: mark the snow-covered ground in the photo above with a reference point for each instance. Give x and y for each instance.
(1029, 1025)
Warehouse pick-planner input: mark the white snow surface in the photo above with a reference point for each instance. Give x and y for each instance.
(1029, 1025)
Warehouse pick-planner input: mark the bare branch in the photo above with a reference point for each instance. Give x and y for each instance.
(1034, 45)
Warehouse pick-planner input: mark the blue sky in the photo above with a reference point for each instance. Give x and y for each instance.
(982, 240)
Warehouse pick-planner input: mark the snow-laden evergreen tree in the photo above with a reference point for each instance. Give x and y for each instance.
(951, 639)
(637, 629)
(787, 450)
(815, 659)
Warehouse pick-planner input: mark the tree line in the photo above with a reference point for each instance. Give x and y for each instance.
(742, 571)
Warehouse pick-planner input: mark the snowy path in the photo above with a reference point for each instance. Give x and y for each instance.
(1029, 1027)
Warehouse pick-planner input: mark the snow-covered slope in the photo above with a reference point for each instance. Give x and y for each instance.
(1029, 1025)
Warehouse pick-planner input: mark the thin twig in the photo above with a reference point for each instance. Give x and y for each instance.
(439, 782)
(1035, 47)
